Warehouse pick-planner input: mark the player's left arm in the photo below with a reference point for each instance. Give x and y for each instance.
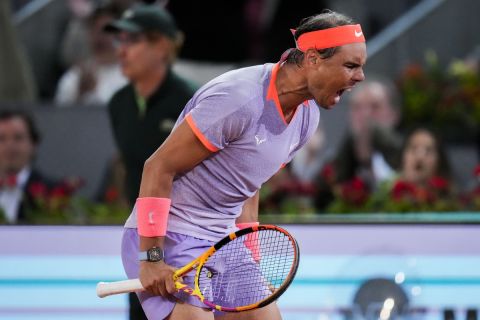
(250, 209)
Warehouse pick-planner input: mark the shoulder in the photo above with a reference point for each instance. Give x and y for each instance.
(236, 87)
(126, 90)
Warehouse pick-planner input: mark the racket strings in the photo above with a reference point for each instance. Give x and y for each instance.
(248, 269)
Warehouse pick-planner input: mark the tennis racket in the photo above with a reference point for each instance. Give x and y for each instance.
(247, 269)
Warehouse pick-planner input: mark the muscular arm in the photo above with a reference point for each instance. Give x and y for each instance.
(180, 152)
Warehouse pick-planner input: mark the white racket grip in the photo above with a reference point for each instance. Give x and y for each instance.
(105, 289)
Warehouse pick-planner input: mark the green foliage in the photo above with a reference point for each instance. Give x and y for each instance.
(447, 98)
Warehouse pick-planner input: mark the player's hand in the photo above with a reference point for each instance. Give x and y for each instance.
(157, 278)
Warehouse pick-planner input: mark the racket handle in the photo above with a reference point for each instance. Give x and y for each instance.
(105, 289)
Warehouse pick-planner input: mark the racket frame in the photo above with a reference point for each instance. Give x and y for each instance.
(199, 262)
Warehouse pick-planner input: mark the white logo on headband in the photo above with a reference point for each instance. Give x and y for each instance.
(358, 34)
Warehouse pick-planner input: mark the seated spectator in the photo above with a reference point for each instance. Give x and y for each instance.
(371, 147)
(94, 79)
(423, 158)
(424, 182)
(370, 151)
(19, 180)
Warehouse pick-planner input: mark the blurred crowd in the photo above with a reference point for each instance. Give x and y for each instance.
(380, 165)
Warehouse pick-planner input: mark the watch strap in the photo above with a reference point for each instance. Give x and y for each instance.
(143, 255)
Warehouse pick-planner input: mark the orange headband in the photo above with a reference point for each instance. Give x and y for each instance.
(330, 38)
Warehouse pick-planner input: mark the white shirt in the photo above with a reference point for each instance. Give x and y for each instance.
(109, 79)
(10, 198)
(381, 169)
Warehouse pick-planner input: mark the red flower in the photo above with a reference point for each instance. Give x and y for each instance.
(328, 173)
(476, 172)
(424, 195)
(403, 190)
(413, 71)
(296, 187)
(438, 183)
(59, 191)
(355, 191)
(111, 195)
(70, 185)
(37, 189)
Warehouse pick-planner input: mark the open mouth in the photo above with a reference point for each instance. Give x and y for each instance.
(341, 91)
(419, 166)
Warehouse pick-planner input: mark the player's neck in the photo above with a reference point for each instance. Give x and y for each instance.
(291, 87)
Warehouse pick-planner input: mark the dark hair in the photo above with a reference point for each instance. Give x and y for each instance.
(325, 20)
(32, 129)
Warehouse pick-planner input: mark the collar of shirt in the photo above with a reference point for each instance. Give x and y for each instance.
(23, 176)
(16, 180)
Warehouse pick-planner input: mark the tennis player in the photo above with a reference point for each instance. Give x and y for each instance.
(234, 134)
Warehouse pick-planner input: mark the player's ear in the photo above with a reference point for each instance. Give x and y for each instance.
(312, 57)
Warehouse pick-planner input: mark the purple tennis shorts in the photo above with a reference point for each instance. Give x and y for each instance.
(179, 250)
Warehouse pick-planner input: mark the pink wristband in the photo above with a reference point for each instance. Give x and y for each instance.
(244, 225)
(152, 216)
(251, 240)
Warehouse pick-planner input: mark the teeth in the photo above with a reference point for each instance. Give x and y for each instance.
(349, 89)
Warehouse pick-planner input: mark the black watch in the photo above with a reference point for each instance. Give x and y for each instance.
(154, 254)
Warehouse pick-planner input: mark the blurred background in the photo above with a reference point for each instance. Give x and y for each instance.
(384, 199)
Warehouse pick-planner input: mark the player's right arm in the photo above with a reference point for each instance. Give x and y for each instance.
(180, 152)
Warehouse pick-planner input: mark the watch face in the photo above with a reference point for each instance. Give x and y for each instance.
(155, 254)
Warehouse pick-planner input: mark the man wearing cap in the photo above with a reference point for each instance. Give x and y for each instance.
(143, 112)
(235, 133)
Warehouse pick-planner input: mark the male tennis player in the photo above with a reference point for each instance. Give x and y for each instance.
(234, 134)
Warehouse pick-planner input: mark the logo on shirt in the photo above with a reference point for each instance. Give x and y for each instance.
(358, 34)
(259, 139)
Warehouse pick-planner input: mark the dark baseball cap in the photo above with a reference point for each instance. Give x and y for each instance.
(141, 18)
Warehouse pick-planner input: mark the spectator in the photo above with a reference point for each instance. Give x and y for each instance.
(371, 147)
(370, 151)
(144, 111)
(423, 158)
(424, 182)
(93, 79)
(19, 139)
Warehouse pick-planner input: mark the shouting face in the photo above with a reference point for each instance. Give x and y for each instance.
(329, 78)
